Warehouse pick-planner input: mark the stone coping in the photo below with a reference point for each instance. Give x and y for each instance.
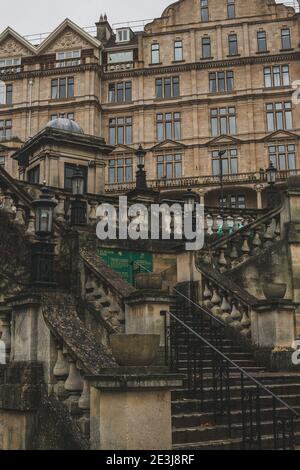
(149, 296)
(136, 378)
(269, 305)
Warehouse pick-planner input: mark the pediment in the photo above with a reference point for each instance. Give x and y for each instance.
(67, 36)
(224, 140)
(281, 135)
(121, 148)
(13, 45)
(168, 145)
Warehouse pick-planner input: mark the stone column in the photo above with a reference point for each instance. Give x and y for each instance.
(273, 332)
(131, 409)
(259, 188)
(143, 315)
(293, 209)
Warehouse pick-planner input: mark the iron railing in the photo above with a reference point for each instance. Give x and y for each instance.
(228, 381)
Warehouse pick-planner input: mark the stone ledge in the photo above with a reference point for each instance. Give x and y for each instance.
(141, 378)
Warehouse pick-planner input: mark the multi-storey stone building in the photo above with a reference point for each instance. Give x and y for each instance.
(208, 76)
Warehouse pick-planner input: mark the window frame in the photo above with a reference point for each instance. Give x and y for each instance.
(206, 48)
(233, 39)
(155, 52)
(178, 48)
(262, 42)
(120, 130)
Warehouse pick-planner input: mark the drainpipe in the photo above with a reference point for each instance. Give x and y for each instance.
(31, 82)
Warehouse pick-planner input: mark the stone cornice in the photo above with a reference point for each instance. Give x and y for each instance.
(52, 72)
(203, 65)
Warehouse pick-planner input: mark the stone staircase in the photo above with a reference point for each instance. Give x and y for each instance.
(197, 425)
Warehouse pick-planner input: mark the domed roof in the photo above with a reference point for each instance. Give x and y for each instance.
(65, 125)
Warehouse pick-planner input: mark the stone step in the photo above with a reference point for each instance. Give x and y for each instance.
(208, 370)
(235, 391)
(220, 432)
(190, 405)
(192, 420)
(230, 444)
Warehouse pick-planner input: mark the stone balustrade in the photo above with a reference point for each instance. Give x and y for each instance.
(71, 388)
(223, 304)
(248, 241)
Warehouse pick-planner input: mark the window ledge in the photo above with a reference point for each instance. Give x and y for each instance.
(206, 58)
(155, 65)
(262, 52)
(221, 93)
(287, 50)
(272, 88)
(171, 98)
(178, 61)
(118, 103)
(55, 100)
(234, 55)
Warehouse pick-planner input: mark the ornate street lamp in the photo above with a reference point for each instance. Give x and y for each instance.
(78, 206)
(190, 198)
(271, 174)
(42, 256)
(141, 181)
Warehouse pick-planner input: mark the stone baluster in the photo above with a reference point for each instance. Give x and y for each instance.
(277, 231)
(84, 405)
(8, 204)
(226, 309)
(209, 223)
(20, 213)
(268, 235)
(257, 243)
(222, 259)
(216, 301)
(230, 225)
(30, 231)
(238, 223)
(236, 316)
(92, 212)
(5, 334)
(246, 324)
(74, 386)
(234, 254)
(60, 208)
(61, 372)
(207, 296)
(220, 225)
(245, 247)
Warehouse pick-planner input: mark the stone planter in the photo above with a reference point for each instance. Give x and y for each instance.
(148, 281)
(135, 350)
(273, 291)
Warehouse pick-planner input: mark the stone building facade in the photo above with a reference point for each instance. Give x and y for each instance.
(207, 76)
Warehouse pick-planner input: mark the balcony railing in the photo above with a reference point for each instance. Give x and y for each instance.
(119, 67)
(57, 64)
(12, 69)
(202, 181)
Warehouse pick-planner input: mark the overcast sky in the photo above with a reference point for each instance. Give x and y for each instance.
(38, 16)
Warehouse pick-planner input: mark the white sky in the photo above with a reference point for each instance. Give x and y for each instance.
(39, 16)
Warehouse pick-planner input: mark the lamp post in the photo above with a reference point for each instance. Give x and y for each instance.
(141, 181)
(78, 206)
(191, 198)
(220, 155)
(271, 173)
(42, 256)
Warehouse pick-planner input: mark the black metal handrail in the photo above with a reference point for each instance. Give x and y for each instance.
(282, 423)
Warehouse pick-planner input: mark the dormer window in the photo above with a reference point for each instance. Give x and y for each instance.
(68, 58)
(123, 35)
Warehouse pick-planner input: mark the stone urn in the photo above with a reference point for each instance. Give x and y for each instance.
(135, 350)
(274, 291)
(148, 281)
